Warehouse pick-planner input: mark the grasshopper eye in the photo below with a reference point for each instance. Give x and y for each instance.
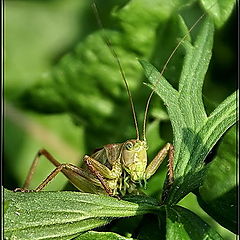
(129, 145)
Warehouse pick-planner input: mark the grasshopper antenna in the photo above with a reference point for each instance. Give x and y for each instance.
(108, 43)
(163, 69)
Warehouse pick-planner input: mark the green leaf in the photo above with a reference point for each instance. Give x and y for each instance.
(219, 190)
(194, 133)
(101, 236)
(220, 10)
(62, 215)
(223, 117)
(185, 225)
(90, 71)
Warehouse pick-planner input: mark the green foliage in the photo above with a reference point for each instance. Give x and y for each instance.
(85, 84)
(183, 224)
(219, 190)
(63, 215)
(220, 10)
(194, 133)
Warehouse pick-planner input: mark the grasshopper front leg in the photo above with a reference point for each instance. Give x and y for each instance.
(156, 162)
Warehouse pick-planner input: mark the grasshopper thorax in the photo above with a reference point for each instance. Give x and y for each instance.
(134, 159)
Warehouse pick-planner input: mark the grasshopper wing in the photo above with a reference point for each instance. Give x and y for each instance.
(109, 154)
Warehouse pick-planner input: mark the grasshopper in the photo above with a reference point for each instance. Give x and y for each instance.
(116, 169)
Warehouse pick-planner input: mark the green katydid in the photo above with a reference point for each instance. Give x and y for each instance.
(115, 169)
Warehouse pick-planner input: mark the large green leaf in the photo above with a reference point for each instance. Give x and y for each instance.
(185, 225)
(219, 190)
(195, 133)
(220, 10)
(63, 215)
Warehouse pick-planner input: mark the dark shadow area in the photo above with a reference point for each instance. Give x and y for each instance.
(227, 203)
(194, 226)
(221, 78)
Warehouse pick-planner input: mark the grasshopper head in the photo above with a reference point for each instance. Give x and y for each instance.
(134, 157)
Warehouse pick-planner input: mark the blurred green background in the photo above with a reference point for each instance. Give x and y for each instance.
(63, 90)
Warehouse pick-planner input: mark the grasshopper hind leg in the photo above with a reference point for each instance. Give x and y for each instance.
(83, 180)
(89, 162)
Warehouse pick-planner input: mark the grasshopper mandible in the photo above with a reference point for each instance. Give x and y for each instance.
(115, 169)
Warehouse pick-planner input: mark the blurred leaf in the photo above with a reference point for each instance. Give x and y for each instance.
(194, 133)
(87, 82)
(185, 225)
(220, 10)
(31, 46)
(27, 133)
(30, 50)
(219, 190)
(48, 215)
(101, 236)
